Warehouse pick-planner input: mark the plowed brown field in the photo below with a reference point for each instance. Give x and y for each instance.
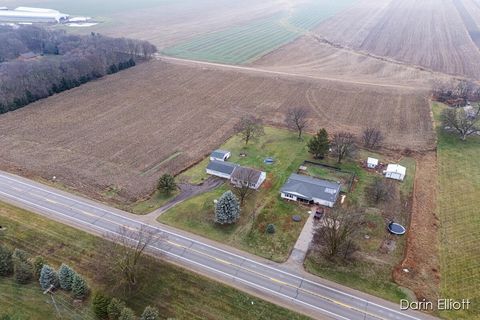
(427, 34)
(122, 132)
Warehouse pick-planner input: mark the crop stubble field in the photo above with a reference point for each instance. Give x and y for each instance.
(120, 133)
(431, 34)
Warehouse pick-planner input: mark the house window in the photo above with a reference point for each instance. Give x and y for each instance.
(288, 196)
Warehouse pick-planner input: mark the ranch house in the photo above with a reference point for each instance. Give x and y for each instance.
(310, 190)
(237, 174)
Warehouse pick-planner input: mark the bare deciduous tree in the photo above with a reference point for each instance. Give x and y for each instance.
(297, 119)
(372, 138)
(122, 255)
(382, 190)
(250, 128)
(465, 123)
(244, 179)
(335, 234)
(343, 145)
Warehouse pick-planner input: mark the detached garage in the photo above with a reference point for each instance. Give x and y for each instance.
(396, 172)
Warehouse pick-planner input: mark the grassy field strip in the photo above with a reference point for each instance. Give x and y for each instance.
(246, 43)
(185, 299)
(458, 208)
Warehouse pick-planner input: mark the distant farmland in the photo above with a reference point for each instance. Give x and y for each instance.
(248, 42)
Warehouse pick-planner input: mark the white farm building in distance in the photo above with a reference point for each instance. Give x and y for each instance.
(32, 15)
(396, 172)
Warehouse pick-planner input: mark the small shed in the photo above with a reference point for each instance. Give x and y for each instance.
(396, 172)
(220, 155)
(372, 163)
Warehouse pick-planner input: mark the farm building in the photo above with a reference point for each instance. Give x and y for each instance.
(32, 15)
(236, 174)
(310, 190)
(395, 171)
(221, 169)
(220, 155)
(372, 163)
(242, 176)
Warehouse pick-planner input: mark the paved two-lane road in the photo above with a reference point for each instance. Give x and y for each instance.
(263, 277)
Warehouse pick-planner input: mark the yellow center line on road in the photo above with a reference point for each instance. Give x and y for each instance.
(222, 261)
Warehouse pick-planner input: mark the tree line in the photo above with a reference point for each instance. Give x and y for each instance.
(64, 61)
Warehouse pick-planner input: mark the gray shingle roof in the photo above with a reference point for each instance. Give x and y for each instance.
(244, 174)
(219, 154)
(310, 188)
(221, 166)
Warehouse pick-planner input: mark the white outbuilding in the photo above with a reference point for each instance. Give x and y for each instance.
(372, 163)
(396, 172)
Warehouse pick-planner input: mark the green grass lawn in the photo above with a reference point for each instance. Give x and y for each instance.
(176, 292)
(459, 213)
(196, 215)
(372, 271)
(155, 201)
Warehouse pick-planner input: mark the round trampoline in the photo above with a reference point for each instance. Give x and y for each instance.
(395, 228)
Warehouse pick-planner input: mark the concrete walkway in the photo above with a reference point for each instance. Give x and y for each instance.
(300, 249)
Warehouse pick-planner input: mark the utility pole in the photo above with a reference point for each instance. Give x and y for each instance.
(50, 290)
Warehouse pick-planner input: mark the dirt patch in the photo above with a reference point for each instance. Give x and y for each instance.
(421, 254)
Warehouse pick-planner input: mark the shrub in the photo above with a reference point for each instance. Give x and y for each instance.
(48, 277)
(115, 308)
(150, 313)
(100, 305)
(79, 287)
(6, 262)
(65, 277)
(271, 228)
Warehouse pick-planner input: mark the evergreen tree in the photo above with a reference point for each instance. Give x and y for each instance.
(79, 287)
(150, 313)
(319, 144)
(271, 228)
(48, 277)
(23, 271)
(115, 308)
(6, 262)
(65, 277)
(166, 184)
(127, 314)
(38, 263)
(20, 255)
(227, 209)
(100, 305)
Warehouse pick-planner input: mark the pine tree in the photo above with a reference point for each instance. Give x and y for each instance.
(100, 305)
(20, 255)
(79, 287)
(166, 184)
(150, 313)
(22, 268)
(6, 262)
(38, 263)
(319, 144)
(127, 314)
(227, 209)
(65, 277)
(23, 271)
(115, 308)
(48, 277)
